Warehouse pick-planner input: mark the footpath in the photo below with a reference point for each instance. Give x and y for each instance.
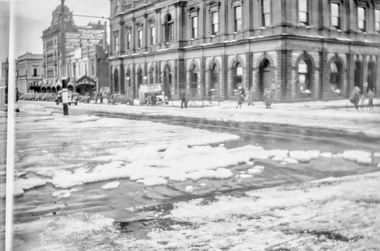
(327, 115)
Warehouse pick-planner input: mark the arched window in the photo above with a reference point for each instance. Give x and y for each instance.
(128, 78)
(371, 76)
(116, 81)
(358, 74)
(335, 72)
(303, 76)
(214, 75)
(238, 76)
(169, 24)
(139, 78)
(193, 77)
(151, 76)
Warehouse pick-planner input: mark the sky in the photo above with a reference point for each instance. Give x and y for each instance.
(34, 16)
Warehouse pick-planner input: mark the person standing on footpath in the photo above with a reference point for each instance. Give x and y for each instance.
(240, 100)
(370, 96)
(249, 97)
(267, 99)
(182, 97)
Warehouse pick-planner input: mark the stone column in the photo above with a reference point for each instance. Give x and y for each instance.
(224, 78)
(377, 76)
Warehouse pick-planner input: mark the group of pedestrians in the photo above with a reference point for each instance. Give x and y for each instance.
(356, 97)
(248, 97)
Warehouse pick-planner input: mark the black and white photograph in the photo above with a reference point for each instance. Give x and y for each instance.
(190, 125)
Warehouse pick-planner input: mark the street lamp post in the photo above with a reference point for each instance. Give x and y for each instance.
(63, 62)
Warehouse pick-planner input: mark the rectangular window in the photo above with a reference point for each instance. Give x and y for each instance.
(152, 35)
(129, 41)
(194, 27)
(361, 18)
(266, 13)
(140, 38)
(116, 37)
(50, 73)
(237, 18)
(170, 32)
(377, 20)
(335, 15)
(92, 68)
(303, 12)
(34, 72)
(214, 22)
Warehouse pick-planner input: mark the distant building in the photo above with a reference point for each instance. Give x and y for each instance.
(300, 49)
(90, 39)
(29, 73)
(88, 69)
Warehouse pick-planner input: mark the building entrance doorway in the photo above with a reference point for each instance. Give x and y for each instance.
(116, 81)
(264, 76)
(167, 82)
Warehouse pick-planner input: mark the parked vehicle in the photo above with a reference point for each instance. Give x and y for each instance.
(49, 97)
(162, 99)
(39, 96)
(29, 96)
(72, 98)
(119, 99)
(84, 98)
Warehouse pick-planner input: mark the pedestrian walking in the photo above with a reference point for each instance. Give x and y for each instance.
(182, 97)
(267, 99)
(355, 97)
(370, 96)
(95, 96)
(249, 97)
(240, 100)
(101, 97)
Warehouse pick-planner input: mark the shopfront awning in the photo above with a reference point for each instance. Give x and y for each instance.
(86, 81)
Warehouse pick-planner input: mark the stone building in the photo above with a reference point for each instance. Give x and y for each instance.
(88, 70)
(300, 49)
(90, 39)
(29, 73)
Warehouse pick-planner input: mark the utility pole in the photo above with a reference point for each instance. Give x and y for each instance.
(63, 62)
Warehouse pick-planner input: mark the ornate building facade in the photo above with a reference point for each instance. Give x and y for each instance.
(29, 74)
(300, 49)
(91, 42)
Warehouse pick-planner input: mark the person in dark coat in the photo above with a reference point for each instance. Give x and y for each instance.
(355, 97)
(182, 97)
(267, 98)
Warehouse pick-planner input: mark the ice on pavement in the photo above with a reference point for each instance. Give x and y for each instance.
(142, 151)
(356, 155)
(64, 193)
(301, 156)
(24, 184)
(111, 185)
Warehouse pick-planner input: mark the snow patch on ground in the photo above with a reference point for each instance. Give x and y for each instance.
(64, 193)
(20, 185)
(354, 155)
(111, 185)
(300, 156)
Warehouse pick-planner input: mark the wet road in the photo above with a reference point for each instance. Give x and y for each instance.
(37, 205)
